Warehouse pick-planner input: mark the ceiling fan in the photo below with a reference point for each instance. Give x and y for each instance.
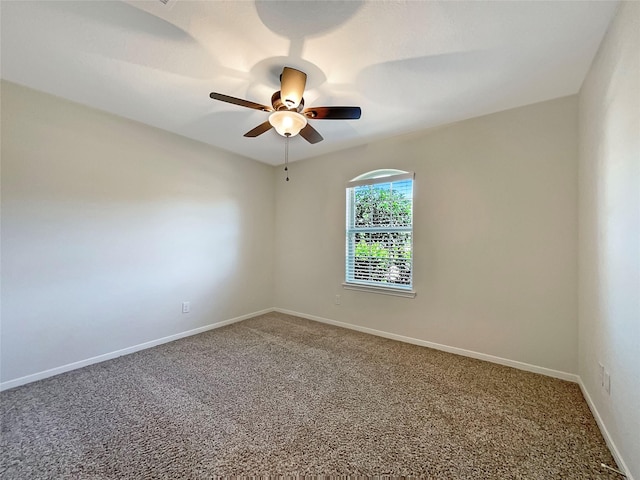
(288, 115)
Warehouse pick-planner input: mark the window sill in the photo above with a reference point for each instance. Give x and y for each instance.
(396, 292)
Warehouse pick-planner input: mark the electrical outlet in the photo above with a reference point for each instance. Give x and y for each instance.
(186, 307)
(607, 382)
(337, 299)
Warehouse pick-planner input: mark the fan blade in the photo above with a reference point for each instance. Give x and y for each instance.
(239, 101)
(333, 113)
(292, 83)
(310, 134)
(259, 130)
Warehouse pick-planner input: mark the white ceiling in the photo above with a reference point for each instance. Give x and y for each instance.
(408, 65)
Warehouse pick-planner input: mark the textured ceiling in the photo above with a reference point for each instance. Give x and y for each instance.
(408, 65)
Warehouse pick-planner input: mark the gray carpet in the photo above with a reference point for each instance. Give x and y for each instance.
(280, 395)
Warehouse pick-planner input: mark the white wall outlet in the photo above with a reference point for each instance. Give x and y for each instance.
(186, 307)
(337, 299)
(607, 382)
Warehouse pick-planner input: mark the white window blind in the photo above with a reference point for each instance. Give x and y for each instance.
(379, 244)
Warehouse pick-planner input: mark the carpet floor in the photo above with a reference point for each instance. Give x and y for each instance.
(278, 395)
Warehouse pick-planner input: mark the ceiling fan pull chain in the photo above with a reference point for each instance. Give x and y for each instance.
(286, 155)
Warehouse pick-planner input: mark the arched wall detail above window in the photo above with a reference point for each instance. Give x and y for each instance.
(374, 174)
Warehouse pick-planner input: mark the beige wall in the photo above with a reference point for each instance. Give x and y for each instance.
(495, 236)
(108, 225)
(609, 279)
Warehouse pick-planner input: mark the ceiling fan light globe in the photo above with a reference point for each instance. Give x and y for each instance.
(287, 123)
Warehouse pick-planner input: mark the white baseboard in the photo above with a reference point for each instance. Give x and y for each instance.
(125, 351)
(605, 433)
(445, 348)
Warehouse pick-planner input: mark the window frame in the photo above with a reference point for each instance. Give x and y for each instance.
(373, 178)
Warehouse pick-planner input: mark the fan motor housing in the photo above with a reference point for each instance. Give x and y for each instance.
(278, 104)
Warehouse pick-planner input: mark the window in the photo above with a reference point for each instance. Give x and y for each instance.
(379, 250)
